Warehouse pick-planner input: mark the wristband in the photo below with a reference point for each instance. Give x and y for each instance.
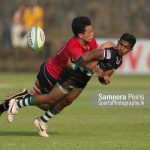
(78, 62)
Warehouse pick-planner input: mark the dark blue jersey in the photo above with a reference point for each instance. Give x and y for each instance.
(111, 59)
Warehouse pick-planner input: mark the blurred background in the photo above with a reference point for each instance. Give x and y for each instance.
(110, 19)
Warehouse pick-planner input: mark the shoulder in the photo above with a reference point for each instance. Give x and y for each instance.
(109, 52)
(107, 45)
(73, 42)
(74, 48)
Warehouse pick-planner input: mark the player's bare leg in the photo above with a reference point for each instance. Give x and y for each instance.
(41, 122)
(51, 98)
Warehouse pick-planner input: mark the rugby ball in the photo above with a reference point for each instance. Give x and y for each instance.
(35, 38)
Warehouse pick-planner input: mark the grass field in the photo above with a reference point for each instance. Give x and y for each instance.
(80, 126)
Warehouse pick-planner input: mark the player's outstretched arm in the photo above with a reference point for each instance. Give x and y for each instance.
(89, 56)
(94, 55)
(109, 72)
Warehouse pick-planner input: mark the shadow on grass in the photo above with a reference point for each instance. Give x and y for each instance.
(22, 133)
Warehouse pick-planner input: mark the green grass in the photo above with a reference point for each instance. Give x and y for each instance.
(80, 126)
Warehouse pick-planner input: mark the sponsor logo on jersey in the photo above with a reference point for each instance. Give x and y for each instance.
(108, 54)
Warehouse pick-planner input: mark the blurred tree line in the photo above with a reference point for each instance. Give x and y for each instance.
(110, 18)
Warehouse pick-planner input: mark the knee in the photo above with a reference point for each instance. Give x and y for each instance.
(53, 101)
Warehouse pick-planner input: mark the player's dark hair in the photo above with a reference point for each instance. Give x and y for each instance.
(129, 38)
(79, 24)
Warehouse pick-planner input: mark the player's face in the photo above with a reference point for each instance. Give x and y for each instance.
(123, 47)
(88, 34)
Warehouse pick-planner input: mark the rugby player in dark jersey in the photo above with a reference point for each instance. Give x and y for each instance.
(111, 57)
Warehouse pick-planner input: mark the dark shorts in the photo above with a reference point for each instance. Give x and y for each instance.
(70, 79)
(46, 81)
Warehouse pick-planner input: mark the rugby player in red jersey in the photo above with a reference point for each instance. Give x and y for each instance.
(82, 41)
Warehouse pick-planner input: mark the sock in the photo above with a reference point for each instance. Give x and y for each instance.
(49, 114)
(28, 100)
(4, 106)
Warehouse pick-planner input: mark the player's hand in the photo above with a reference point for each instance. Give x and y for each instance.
(104, 80)
(107, 80)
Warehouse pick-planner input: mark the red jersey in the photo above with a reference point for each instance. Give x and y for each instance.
(71, 49)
